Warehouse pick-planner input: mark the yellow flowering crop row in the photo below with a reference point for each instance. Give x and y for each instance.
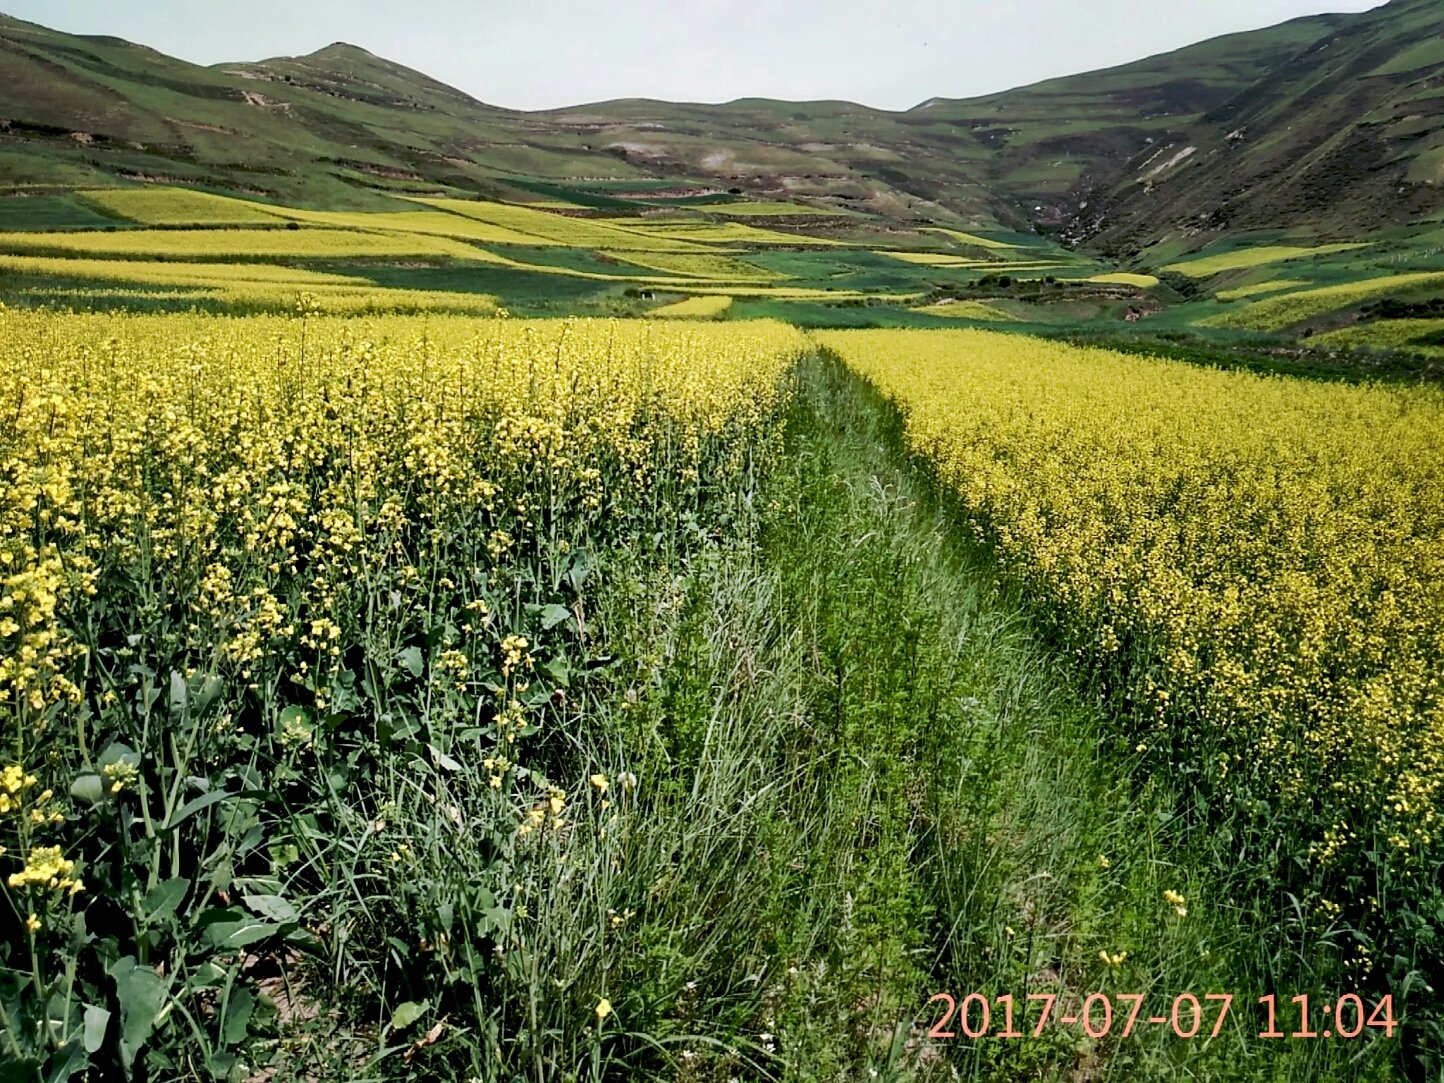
(971, 239)
(166, 206)
(430, 223)
(268, 504)
(719, 232)
(1258, 256)
(193, 244)
(214, 442)
(705, 265)
(548, 228)
(1125, 278)
(964, 310)
(1253, 289)
(763, 210)
(1273, 313)
(1389, 335)
(258, 285)
(694, 308)
(1258, 561)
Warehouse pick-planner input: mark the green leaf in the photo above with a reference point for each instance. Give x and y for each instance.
(179, 693)
(237, 934)
(582, 566)
(412, 660)
(272, 906)
(165, 898)
(88, 788)
(293, 714)
(67, 1062)
(238, 1016)
(141, 994)
(210, 687)
(97, 1020)
(558, 670)
(442, 760)
(408, 1013)
(190, 808)
(553, 615)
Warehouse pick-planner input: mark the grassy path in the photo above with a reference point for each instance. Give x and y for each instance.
(935, 809)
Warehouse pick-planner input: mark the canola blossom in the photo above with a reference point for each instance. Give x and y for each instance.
(246, 503)
(1255, 564)
(694, 308)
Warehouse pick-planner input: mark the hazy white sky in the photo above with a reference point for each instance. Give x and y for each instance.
(538, 54)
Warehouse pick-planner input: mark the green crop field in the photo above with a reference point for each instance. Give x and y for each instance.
(764, 210)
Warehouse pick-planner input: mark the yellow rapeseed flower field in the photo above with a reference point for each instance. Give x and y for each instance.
(260, 286)
(1259, 561)
(1258, 256)
(167, 206)
(1274, 313)
(197, 244)
(1417, 335)
(215, 448)
(234, 549)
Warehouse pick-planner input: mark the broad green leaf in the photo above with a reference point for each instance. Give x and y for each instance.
(142, 994)
(88, 788)
(558, 670)
(237, 934)
(408, 1013)
(190, 808)
(210, 688)
(116, 752)
(165, 898)
(411, 659)
(272, 906)
(179, 693)
(97, 1020)
(238, 1016)
(294, 714)
(553, 615)
(442, 760)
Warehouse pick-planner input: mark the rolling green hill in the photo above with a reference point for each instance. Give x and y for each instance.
(1333, 120)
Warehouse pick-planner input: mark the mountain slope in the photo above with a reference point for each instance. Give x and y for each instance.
(1104, 155)
(1344, 138)
(1051, 140)
(334, 129)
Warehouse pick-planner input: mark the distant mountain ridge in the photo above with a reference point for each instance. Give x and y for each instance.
(1347, 134)
(1334, 121)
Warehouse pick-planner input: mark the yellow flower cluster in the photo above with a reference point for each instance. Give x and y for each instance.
(45, 867)
(14, 781)
(1259, 559)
